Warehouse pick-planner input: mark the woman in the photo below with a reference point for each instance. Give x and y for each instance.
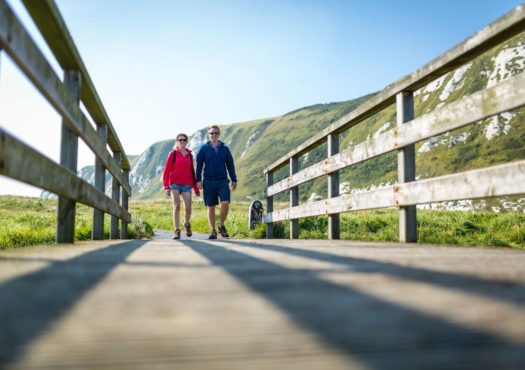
(179, 179)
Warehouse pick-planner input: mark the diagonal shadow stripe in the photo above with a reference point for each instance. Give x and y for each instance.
(379, 334)
(30, 260)
(31, 303)
(501, 290)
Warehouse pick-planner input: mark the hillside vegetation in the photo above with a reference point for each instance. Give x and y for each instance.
(257, 144)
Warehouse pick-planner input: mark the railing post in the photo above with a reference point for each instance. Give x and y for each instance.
(125, 203)
(100, 183)
(294, 199)
(68, 159)
(115, 195)
(406, 168)
(333, 188)
(269, 205)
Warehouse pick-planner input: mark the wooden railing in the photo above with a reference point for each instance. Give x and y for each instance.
(507, 179)
(22, 162)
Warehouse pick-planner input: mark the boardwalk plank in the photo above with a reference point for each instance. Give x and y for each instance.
(233, 304)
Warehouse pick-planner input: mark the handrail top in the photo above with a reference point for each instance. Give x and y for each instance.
(498, 31)
(49, 21)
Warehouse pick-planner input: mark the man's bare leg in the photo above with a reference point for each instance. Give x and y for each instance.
(211, 217)
(225, 207)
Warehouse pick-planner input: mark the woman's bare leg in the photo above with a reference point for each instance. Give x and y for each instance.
(186, 197)
(175, 196)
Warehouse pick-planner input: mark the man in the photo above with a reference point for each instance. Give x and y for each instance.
(214, 163)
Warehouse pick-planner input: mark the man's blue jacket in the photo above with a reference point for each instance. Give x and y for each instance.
(215, 163)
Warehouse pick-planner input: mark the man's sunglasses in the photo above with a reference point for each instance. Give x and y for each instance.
(214, 133)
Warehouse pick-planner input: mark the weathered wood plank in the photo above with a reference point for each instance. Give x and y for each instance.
(66, 210)
(269, 205)
(294, 199)
(100, 183)
(125, 205)
(115, 196)
(23, 163)
(497, 32)
(261, 304)
(469, 109)
(333, 188)
(506, 179)
(24, 52)
(495, 181)
(406, 167)
(53, 28)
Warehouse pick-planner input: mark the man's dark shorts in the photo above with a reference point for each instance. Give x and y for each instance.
(214, 190)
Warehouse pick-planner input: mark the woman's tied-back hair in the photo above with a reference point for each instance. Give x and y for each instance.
(214, 126)
(177, 139)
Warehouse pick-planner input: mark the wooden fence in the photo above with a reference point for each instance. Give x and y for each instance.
(20, 161)
(507, 179)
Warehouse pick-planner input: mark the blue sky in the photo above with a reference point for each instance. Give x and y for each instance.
(166, 66)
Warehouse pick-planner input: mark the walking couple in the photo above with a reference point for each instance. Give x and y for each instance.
(214, 163)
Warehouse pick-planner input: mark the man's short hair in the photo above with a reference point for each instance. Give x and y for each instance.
(214, 126)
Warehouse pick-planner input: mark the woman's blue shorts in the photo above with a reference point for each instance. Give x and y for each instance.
(181, 188)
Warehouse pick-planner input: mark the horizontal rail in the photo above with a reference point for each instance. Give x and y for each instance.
(506, 179)
(469, 109)
(21, 162)
(47, 18)
(502, 29)
(23, 50)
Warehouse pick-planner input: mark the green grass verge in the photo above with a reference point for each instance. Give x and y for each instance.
(28, 221)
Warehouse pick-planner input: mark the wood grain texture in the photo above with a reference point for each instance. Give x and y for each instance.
(494, 181)
(17, 42)
(272, 304)
(21, 162)
(53, 28)
(452, 116)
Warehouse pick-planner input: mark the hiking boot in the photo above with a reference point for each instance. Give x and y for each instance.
(177, 234)
(187, 226)
(222, 230)
(213, 235)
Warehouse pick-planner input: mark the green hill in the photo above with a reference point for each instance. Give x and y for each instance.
(258, 143)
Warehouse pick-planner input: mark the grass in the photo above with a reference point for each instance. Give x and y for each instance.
(29, 221)
(158, 214)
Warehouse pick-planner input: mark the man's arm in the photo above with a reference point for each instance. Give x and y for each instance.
(231, 168)
(200, 162)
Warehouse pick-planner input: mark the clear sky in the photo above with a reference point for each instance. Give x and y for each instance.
(168, 66)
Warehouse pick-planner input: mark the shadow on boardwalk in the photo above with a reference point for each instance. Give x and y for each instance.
(500, 290)
(31, 303)
(379, 333)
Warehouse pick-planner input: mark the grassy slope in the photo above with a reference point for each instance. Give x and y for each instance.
(277, 135)
(282, 133)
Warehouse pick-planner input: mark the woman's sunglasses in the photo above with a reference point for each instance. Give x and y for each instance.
(182, 139)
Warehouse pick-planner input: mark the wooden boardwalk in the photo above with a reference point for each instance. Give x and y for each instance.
(268, 304)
